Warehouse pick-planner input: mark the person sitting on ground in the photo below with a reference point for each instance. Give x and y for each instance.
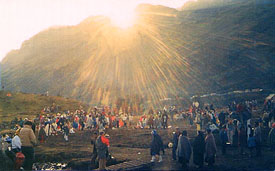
(156, 146)
(184, 150)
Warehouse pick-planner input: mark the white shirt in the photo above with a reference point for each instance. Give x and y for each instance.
(16, 142)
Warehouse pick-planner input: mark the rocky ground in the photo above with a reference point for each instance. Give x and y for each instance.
(131, 144)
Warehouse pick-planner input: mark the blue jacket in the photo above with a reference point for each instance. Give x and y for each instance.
(251, 142)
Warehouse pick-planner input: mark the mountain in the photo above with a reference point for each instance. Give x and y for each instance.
(199, 49)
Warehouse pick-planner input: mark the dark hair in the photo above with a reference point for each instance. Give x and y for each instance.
(28, 123)
(184, 133)
(208, 130)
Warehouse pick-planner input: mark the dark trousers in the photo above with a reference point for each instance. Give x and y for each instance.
(174, 156)
(183, 161)
(29, 157)
(223, 148)
(258, 149)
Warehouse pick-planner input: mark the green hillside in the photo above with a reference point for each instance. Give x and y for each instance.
(201, 49)
(29, 105)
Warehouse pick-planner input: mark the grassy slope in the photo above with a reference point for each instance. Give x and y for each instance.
(29, 105)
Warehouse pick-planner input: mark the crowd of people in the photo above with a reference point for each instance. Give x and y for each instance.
(234, 127)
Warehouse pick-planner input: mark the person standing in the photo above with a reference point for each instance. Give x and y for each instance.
(16, 143)
(156, 146)
(42, 135)
(28, 141)
(184, 150)
(210, 148)
(102, 145)
(258, 138)
(242, 139)
(199, 149)
(164, 120)
(93, 142)
(224, 139)
(175, 143)
(271, 137)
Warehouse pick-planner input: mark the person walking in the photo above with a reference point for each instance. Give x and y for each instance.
(175, 143)
(102, 145)
(198, 150)
(210, 148)
(156, 146)
(28, 141)
(184, 150)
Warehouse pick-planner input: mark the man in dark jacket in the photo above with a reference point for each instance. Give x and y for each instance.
(93, 142)
(102, 144)
(184, 150)
(156, 146)
(175, 143)
(199, 149)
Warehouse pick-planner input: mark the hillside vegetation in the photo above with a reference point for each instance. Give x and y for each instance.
(201, 49)
(29, 105)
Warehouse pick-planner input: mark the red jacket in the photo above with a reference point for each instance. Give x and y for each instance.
(105, 140)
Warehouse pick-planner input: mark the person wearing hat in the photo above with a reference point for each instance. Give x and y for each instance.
(102, 145)
(156, 146)
(184, 150)
(210, 148)
(175, 143)
(28, 141)
(199, 149)
(271, 137)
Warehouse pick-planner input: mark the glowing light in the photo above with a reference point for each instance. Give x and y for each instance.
(122, 19)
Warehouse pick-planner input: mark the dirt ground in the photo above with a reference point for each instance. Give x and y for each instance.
(131, 144)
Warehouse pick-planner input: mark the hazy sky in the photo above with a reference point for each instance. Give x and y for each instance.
(21, 19)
